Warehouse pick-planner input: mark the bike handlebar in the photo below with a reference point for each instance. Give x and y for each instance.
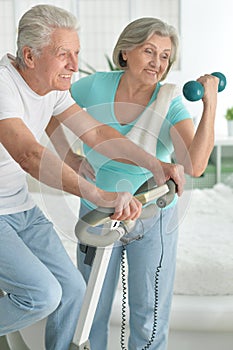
(148, 192)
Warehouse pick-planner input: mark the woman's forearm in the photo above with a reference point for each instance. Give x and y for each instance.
(203, 142)
(193, 148)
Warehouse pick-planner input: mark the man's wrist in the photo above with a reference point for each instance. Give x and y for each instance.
(154, 165)
(103, 198)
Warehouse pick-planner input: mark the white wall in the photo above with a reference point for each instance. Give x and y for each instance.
(207, 46)
(206, 42)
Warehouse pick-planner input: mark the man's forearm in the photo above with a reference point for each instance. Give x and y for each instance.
(58, 138)
(112, 144)
(108, 141)
(105, 139)
(47, 168)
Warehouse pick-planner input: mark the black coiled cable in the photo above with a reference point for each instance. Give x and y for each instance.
(156, 295)
(124, 298)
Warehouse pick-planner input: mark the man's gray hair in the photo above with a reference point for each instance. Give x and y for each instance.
(37, 25)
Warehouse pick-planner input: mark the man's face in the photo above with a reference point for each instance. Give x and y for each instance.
(57, 63)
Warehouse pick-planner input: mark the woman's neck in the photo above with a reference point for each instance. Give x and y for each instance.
(132, 91)
(131, 99)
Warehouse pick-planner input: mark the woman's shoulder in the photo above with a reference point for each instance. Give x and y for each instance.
(102, 80)
(97, 77)
(170, 88)
(108, 76)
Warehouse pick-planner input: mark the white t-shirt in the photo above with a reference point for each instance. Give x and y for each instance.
(18, 100)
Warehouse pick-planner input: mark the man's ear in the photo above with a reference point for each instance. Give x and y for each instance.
(28, 57)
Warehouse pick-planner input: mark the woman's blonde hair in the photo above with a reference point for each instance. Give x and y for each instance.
(140, 30)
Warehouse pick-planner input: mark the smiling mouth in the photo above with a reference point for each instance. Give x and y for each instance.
(65, 76)
(151, 71)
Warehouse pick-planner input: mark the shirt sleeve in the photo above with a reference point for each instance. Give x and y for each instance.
(177, 111)
(64, 101)
(10, 102)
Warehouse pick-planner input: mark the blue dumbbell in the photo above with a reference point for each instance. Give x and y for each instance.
(194, 91)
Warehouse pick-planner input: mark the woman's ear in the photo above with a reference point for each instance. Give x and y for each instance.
(124, 55)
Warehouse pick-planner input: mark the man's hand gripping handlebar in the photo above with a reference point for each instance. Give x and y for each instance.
(148, 192)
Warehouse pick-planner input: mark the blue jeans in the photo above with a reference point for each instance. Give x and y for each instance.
(143, 257)
(39, 278)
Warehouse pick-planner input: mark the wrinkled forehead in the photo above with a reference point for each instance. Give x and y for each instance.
(65, 39)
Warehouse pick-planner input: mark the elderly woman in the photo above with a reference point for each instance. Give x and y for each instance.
(133, 101)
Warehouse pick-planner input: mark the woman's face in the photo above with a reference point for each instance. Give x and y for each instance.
(148, 62)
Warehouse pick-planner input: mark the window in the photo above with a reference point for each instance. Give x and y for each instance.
(101, 22)
(10, 13)
(7, 28)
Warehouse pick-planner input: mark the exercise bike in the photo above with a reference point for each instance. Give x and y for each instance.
(114, 231)
(103, 245)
